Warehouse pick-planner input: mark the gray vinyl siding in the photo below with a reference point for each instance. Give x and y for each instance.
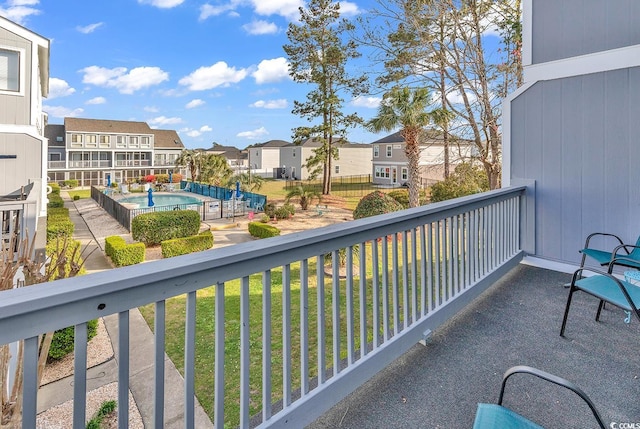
(569, 28)
(578, 139)
(15, 109)
(15, 173)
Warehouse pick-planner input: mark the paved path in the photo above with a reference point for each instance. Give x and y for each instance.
(92, 225)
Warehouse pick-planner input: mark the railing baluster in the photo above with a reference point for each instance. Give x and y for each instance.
(454, 255)
(322, 344)
(395, 284)
(438, 263)
(80, 375)
(30, 382)
(431, 296)
(266, 346)
(385, 288)
(304, 327)
(405, 281)
(286, 335)
(245, 389)
(335, 311)
(363, 300)
(123, 369)
(350, 306)
(159, 334)
(414, 276)
(423, 271)
(189, 360)
(218, 404)
(375, 268)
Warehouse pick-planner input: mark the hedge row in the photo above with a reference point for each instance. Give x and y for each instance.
(63, 339)
(263, 230)
(156, 227)
(185, 245)
(59, 224)
(121, 253)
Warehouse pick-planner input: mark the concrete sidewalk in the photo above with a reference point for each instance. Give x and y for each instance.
(92, 225)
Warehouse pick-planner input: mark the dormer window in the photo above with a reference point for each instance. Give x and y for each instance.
(9, 70)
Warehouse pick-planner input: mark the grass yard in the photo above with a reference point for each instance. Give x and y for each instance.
(81, 193)
(205, 335)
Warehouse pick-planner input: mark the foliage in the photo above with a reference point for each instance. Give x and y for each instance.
(376, 203)
(284, 212)
(153, 228)
(185, 245)
(58, 223)
(402, 196)
(164, 178)
(62, 343)
(123, 254)
(71, 183)
(262, 230)
(76, 197)
(406, 108)
(305, 196)
(342, 256)
(318, 56)
(214, 170)
(55, 201)
(466, 179)
(192, 160)
(248, 183)
(270, 209)
(106, 408)
(55, 188)
(149, 178)
(66, 257)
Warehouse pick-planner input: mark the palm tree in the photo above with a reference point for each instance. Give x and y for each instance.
(215, 170)
(304, 194)
(406, 108)
(190, 159)
(247, 183)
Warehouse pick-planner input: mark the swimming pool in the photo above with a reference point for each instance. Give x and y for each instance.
(160, 200)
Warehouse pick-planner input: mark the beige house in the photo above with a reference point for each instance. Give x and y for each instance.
(264, 158)
(353, 159)
(94, 151)
(390, 164)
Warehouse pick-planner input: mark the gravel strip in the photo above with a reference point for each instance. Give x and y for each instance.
(61, 416)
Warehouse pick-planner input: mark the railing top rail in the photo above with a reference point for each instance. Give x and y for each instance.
(29, 311)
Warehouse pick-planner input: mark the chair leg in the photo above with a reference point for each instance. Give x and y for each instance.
(600, 307)
(566, 310)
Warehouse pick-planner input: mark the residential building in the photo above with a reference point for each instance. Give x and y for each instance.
(24, 81)
(93, 151)
(264, 158)
(391, 166)
(236, 158)
(353, 159)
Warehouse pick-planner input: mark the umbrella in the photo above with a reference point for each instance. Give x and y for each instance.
(171, 177)
(150, 195)
(238, 194)
(108, 180)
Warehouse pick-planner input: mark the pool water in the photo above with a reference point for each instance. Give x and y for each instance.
(160, 200)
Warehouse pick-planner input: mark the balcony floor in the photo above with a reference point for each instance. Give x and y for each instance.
(516, 322)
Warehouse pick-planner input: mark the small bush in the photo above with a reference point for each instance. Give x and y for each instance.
(375, 203)
(106, 408)
(62, 343)
(402, 196)
(263, 230)
(72, 255)
(71, 183)
(154, 228)
(123, 254)
(55, 201)
(76, 197)
(183, 246)
(270, 210)
(58, 227)
(57, 212)
(55, 188)
(264, 218)
(466, 179)
(282, 213)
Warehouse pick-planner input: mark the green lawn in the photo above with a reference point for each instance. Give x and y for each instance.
(205, 338)
(81, 193)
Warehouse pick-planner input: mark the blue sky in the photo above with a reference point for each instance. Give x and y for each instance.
(213, 70)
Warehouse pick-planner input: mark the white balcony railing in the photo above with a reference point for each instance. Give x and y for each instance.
(57, 164)
(133, 163)
(90, 164)
(415, 269)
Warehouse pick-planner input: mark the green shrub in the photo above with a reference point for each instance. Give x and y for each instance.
(183, 246)
(375, 203)
(106, 408)
(55, 188)
(263, 230)
(264, 218)
(154, 228)
(62, 343)
(76, 197)
(72, 255)
(55, 201)
(71, 183)
(123, 254)
(54, 212)
(466, 179)
(59, 226)
(282, 213)
(402, 196)
(270, 210)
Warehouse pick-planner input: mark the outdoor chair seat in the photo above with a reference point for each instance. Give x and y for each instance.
(627, 255)
(606, 288)
(493, 416)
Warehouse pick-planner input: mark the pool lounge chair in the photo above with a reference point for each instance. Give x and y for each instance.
(493, 416)
(627, 255)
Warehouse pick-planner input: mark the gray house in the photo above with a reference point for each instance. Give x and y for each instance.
(574, 127)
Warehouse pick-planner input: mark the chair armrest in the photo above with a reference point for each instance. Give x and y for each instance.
(605, 234)
(522, 369)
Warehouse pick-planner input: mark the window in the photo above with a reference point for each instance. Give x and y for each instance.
(337, 170)
(9, 70)
(404, 174)
(144, 142)
(382, 172)
(59, 139)
(133, 141)
(104, 141)
(121, 141)
(376, 151)
(389, 151)
(294, 153)
(91, 140)
(76, 140)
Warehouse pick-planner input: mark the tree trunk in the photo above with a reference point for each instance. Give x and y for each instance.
(412, 151)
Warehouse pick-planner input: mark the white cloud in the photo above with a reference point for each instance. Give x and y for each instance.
(455, 96)
(205, 128)
(270, 104)
(19, 10)
(348, 9)
(206, 10)
(163, 4)
(196, 133)
(126, 82)
(59, 88)
(270, 71)
(163, 120)
(255, 134)
(151, 109)
(62, 112)
(369, 102)
(219, 74)
(89, 28)
(260, 27)
(96, 100)
(286, 8)
(194, 103)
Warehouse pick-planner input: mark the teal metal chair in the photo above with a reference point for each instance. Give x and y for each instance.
(494, 416)
(607, 288)
(627, 255)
